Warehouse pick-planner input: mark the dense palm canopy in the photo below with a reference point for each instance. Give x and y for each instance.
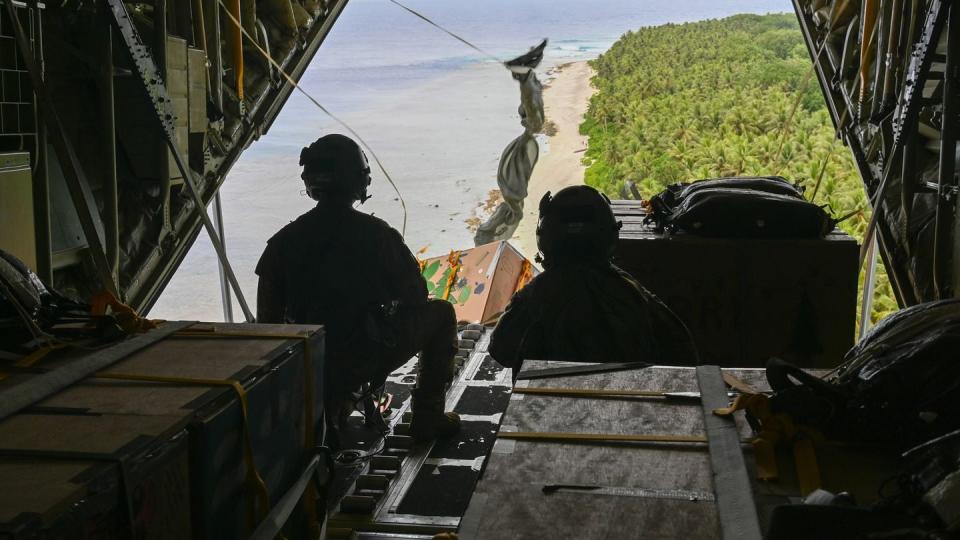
(715, 98)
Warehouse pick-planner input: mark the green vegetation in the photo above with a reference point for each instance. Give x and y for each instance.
(719, 98)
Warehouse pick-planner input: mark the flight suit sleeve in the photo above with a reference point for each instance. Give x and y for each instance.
(271, 291)
(405, 279)
(513, 330)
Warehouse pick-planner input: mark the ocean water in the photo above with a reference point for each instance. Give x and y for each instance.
(436, 113)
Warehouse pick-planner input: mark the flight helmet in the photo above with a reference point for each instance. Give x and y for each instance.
(576, 225)
(335, 164)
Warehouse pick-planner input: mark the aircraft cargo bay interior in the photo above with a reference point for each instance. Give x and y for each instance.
(448, 269)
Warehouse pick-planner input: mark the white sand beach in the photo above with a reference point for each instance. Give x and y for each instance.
(559, 166)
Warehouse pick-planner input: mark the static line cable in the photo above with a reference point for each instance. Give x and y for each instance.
(785, 128)
(376, 159)
(448, 32)
(826, 160)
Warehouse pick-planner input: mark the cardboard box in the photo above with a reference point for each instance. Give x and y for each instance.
(479, 281)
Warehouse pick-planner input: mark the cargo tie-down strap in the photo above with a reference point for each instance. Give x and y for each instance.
(255, 512)
(123, 315)
(776, 429)
(602, 438)
(310, 494)
(605, 393)
(253, 475)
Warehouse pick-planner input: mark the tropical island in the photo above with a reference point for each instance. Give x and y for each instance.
(728, 97)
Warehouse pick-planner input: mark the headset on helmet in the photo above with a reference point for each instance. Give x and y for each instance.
(576, 224)
(335, 164)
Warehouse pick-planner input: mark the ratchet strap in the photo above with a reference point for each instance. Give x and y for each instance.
(776, 429)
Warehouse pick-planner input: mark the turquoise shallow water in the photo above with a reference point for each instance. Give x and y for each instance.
(436, 113)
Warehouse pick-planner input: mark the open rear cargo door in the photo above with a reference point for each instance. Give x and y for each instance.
(889, 74)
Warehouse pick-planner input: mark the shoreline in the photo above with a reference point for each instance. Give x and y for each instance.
(566, 96)
(442, 152)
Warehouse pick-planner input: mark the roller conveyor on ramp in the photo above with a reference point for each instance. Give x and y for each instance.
(421, 489)
(702, 485)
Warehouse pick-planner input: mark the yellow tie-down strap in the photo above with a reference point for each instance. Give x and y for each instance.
(253, 475)
(776, 429)
(310, 497)
(454, 261)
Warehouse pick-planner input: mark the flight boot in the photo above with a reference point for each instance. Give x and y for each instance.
(429, 419)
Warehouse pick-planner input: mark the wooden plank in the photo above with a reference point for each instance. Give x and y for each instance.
(509, 502)
(31, 391)
(577, 369)
(731, 481)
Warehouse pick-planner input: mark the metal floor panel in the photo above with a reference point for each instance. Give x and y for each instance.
(434, 483)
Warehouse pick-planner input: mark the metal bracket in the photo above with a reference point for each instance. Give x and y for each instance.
(153, 84)
(920, 60)
(145, 65)
(77, 183)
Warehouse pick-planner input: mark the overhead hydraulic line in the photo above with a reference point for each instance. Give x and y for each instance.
(376, 159)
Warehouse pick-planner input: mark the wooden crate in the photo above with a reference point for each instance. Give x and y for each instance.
(271, 371)
(747, 300)
(102, 476)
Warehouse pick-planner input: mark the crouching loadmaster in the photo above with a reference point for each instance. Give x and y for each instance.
(309, 273)
(582, 308)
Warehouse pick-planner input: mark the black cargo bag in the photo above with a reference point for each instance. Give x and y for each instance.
(749, 207)
(669, 198)
(900, 383)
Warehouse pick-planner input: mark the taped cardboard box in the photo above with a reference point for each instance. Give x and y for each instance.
(479, 281)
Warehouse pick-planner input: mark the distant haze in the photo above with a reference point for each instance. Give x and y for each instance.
(437, 113)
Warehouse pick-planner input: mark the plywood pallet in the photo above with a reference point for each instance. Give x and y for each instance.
(652, 490)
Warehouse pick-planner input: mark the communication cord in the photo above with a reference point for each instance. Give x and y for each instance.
(444, 30)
